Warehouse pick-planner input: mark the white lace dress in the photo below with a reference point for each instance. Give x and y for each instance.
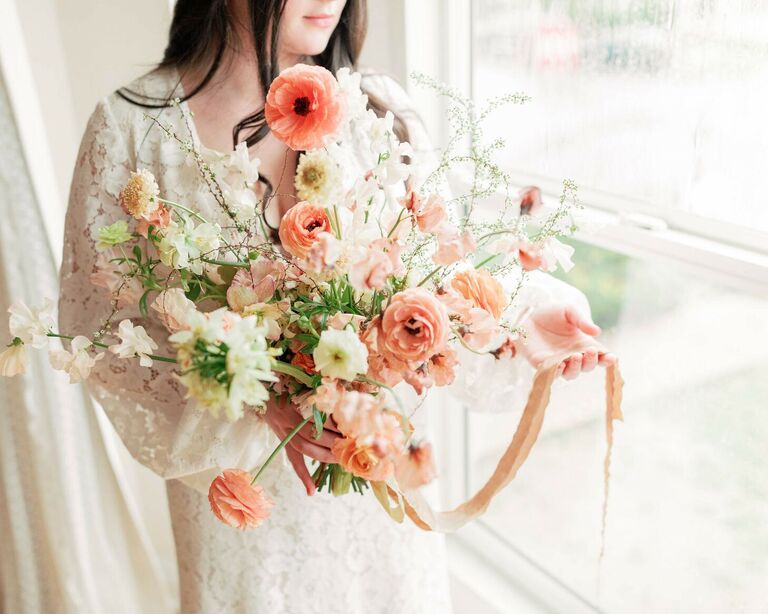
(318, 554)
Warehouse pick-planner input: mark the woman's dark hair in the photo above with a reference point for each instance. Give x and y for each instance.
(201, 31)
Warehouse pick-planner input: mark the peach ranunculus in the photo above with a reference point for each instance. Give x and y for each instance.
(478, 286)
(415, 325)
(305, 107)
(416, 467)
(361, 460)
(452, 245)
(235, 502)
(173, 309)
(301, 227)
(160, 218)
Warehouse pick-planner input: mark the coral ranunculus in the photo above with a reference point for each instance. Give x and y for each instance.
(301, 226)
(478, 286)
(414, 325)
(361, 461)
(236, 503)
(305, 107)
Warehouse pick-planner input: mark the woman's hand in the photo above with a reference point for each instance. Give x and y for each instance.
(282, 418)
(560, 330)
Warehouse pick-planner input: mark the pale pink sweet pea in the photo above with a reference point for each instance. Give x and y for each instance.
(530, 200)
(254, 285)
(341, 320)
(416, 467)
(428, 213)
(159, 218)
(442, 366)
(324, 253)
(452, 245)
(420, 378)
(371, 270)
(173, 309)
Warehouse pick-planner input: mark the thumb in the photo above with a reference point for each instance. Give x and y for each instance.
(299, 466)
(585, 325)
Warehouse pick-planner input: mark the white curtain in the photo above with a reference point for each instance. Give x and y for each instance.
(83, 528)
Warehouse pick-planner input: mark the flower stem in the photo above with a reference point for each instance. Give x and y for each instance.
(240, 265)
(280, 446)
(183, 208)
(428, 277)
(294, 372)
(104, 345)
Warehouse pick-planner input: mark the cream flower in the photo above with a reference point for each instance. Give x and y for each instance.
(173, 309)
(317, 177)
(267, 315)
(139, 196)
(77, 363)
(134, 341)
(182, 246)
(340, 354)
(31, 325)
(13, 360)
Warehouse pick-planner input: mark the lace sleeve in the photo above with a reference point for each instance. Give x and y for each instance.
(147, 406)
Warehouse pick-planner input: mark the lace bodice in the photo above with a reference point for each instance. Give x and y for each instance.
(313, 555)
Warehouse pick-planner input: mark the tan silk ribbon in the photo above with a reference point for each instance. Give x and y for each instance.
(528, 428)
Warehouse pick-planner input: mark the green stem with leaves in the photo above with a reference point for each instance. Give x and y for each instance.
(280, 446)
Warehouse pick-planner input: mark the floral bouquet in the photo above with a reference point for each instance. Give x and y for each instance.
(379, 278)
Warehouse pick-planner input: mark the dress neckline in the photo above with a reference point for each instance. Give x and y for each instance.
(197, 141)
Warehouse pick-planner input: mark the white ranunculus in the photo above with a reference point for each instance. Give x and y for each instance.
(13, 360)
(77, 363)
(31, 325)
(134, 341)
(340, 354)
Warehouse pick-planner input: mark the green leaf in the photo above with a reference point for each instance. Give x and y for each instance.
(143, 303)
(319, 421)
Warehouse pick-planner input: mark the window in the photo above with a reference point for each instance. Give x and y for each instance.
(686, 524)
(657, 105)
(654, 107)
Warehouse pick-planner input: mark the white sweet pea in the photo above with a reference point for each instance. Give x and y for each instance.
(13, 360)
(553, 252)
(182, 246)
(340, 354)
(77, 363)
(349, 82)
(134, 341)
(239, 163)
(31, 325)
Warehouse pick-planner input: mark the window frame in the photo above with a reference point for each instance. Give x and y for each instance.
(438, 38)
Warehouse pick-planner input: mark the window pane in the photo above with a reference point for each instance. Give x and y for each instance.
(687, 527)
(659, 100)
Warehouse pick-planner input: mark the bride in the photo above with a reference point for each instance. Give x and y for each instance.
(320, 553)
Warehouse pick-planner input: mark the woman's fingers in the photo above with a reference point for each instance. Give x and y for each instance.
(297, 461)
(583, 324)
(606, 360)
(308, 448)
(326, 439)
(572, 367)
(589, 361)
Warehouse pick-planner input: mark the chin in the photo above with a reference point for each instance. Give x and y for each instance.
(311, 43)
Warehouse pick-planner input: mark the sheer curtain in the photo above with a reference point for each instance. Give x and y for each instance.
(83, 528)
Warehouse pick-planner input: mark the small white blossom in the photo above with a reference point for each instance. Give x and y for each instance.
(134, 341)
(13, 360)
(77, 363)
(182, 246)
(340, 354)
(553, 252)
(31, 325)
